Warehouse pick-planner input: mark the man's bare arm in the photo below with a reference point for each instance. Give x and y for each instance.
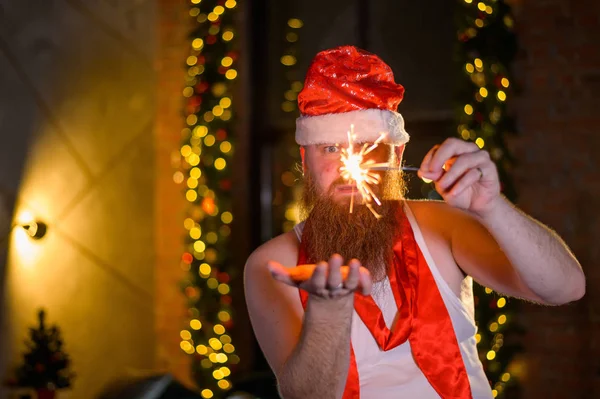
(308, 352)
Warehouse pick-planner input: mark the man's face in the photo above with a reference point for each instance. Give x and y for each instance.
(323, 162)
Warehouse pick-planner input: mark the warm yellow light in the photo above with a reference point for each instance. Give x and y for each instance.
(291, 37)
(505, 377)
(494, 327)
(192, 183)
(197, 44)
(483, 92)
(501, 95)
(194, 12)
(212, 283)
(195, 324)
(196, 1)
(480, 143)
(191, 195)
(225, 147)
(189, 223)
(187, 347)
(226, 371)
(192, 120)
(505, 82)
(185, 334)
(465, 134)
(224, 316)
(195, 173)
(201, 350)
(219, 10)
(193, 159)
(205, 269)
(295, 23)
(489, 10)
(217, 110)
(288, 106)
(501, 302)
(288, 60)
(207, 393)
(219, 329)
(220, 164)
(200, 131)
(188, 92)
(208, 116)
(192, 60)
(221, 358)
(228, 348)
(502, 319)
(478, 337)
(494, 393)
(226, 217)
(230, 3)
(217, 374)
(226, 339)
(478, 63)
(225, 102)
(469, 67)
(215, 344)
(209, 140)
(488, 290)
(224, 384)
(186, 150)
(226, 115)
(227, 35)
(479, 23)
(195, 233)
(468, 109)
(224, 289)
(227, 61)
(231, 74)
(468, 1)
(199, 246)
(491, 355)
(212, 17)
(481, 6)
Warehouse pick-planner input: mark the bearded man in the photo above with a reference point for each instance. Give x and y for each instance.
(387, 310)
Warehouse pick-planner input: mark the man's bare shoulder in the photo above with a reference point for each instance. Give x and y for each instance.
(282, 249)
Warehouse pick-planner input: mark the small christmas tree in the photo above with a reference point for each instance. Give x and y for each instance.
(45, 365)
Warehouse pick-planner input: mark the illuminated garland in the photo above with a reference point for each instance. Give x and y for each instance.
(205, 154)
(487, 46)
(289, 177)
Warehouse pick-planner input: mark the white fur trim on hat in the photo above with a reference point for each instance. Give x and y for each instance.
(368, 126)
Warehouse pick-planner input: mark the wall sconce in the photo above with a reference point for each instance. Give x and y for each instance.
(35, 229)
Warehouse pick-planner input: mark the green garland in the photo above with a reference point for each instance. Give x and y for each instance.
(487, 46)
(206, 152)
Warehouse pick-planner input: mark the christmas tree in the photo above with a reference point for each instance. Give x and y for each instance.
(45, 364)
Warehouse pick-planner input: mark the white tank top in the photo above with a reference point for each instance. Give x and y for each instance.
(394, 374)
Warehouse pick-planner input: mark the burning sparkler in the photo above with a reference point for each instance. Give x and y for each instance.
(356, 169)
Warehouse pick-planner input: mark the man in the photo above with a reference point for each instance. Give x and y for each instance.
(397, 321)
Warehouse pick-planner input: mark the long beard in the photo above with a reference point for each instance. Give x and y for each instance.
(330, 228)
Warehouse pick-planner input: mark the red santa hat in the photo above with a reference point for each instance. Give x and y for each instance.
(348, 86)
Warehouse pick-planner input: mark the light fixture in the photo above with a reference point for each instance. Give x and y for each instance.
(35, 229)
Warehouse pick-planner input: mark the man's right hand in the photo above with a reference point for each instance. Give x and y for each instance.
(325, 279)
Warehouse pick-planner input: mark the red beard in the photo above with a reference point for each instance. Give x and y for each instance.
(331, 229)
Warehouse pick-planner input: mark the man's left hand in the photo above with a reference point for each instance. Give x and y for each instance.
(464, 175)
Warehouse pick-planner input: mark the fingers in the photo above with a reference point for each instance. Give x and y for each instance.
(432, 166)
(460, 167)
(465, 182)
(334, 277)
(280, 273)
(366, 282)
(352, 281)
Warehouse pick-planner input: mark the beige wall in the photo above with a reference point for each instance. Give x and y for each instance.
(78, 96)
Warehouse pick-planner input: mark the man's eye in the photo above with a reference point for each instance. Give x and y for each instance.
(331, 149)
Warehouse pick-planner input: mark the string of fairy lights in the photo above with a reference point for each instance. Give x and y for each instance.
(483, 119)
(289, 177)
(205, 153)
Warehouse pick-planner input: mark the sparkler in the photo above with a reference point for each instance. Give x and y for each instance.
(355, 168)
